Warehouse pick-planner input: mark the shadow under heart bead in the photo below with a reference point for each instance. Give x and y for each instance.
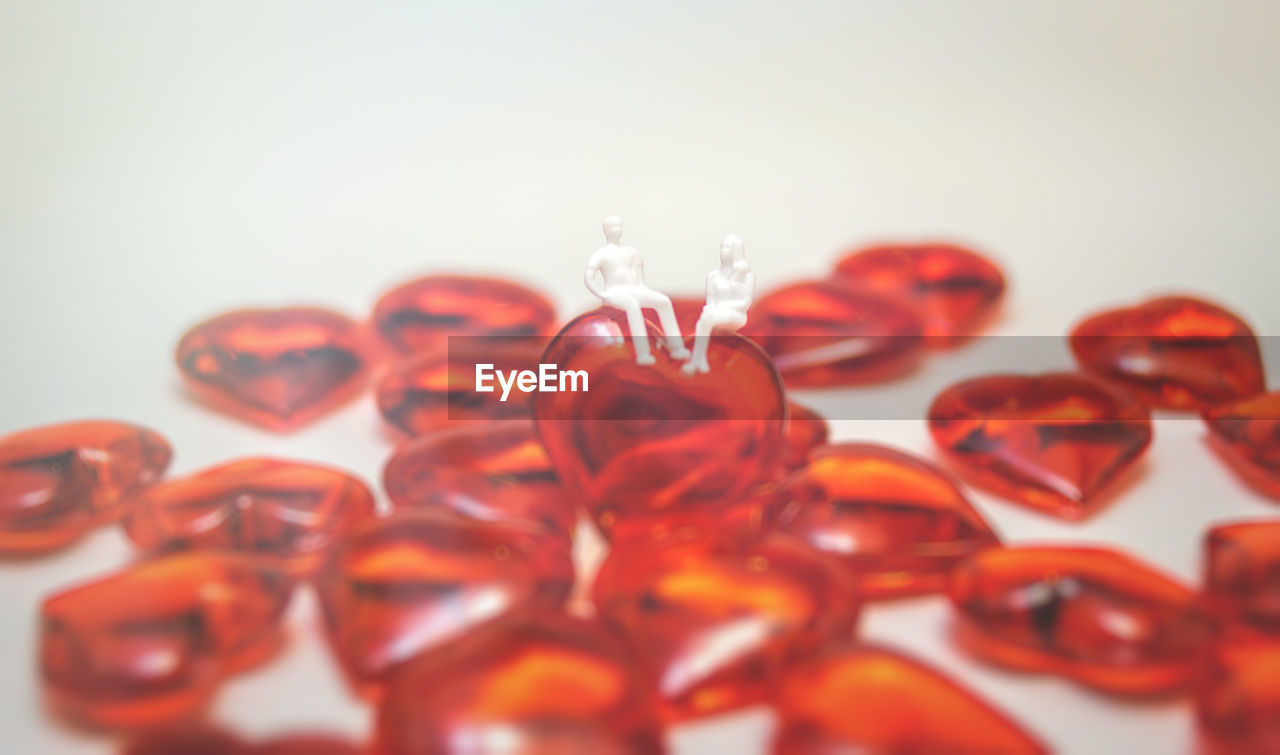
(288, 511)
(151, 643)
(277, 368)
(58, 481)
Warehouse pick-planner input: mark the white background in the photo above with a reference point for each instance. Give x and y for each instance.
(160, 163)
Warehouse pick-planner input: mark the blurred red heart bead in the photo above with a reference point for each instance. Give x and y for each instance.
(547, 684)
(490, 472)
(422, 314)
(1237, 699)
(823, 334)
(149, 644)
(1242, 575)
(288, 511)
(1174, 352)
(1246, 434)
(278, 368)
(58, 481)
(953, 289)
(851, 698)
(806, 430)
(1053, 441)
(712, 619)
(1093, 615)
(413, 581)
(651, 445)
(897, 523)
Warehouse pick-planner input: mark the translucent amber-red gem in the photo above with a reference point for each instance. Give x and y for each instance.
(491, 472)
(1090, 614)
(1052, 441)
(410, 582)
(1246, 434)
(285, 510)
(438, 388)
(1238, 699)
(58, 481)
(953, 289)
(820, 334)
(549, 685)
(200, 739)
(850, 698)
(711, 620)
(806, 431)
(149, 644)
(1242, 574)
(897, 523)
(652, 443)
(1174, 352)
(420, 315)
(279, 368)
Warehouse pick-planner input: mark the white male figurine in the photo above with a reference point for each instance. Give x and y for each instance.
(730, 289)
(615, 273)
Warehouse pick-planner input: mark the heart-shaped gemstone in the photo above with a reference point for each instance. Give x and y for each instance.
(897, 523)
(284, 510)
(1246, 434)
(954, 290)
(712, 619)
(1174, 352)
(851, 698)
(422, 314)
(150, 643)
(548, 684)
(1051, 441)
(823, 334)
(1242, 575)
(496, 471)
(279, 368)
(411, 582)
(58, 481)
(654, 444)
(1237, 699)
(1090, 614)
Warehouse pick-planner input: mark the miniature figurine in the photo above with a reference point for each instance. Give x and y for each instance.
(730, 289)
(615, 273)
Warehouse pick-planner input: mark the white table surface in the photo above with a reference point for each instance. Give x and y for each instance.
(160, 163)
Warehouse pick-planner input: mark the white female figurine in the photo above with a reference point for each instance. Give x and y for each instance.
(730, 289)
(620, 271)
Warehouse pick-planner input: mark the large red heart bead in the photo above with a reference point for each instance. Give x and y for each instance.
(1090, 614)
(953, 289)
(897, 523)
(1174, 352)
(1237, 699)
(851, 698)
(288, 511)
(58, 481)
(648, 445)
(1053, 441)
(1246, 434)
(1242, 575)
(279, 368)
(712, 619)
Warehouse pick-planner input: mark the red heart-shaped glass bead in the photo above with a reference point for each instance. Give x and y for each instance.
(1090, 614)
(279, 368)
(1051, 441)
(58, 481)
(491, 472)
(438, 388)
(284, 510)
(851, 698)
(150, 643)
(1246, 434)
(1174, 352)
(653, 444)
(1242, 575)
(822, 334)
(1237, 699)
(954, 290)
(548, 684)
(712, 619)
(806, 430)
(897, 523)
(411, 582)
(422, 314)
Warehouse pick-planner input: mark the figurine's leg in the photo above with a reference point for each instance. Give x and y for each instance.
(635, 324)
(701, 342)
(661, 304)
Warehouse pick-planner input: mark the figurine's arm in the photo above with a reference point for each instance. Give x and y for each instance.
(592, 275)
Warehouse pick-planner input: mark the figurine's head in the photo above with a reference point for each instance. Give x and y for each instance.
(731, 251)
(612, 229)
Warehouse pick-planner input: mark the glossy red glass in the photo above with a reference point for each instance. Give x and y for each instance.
(1237, 699)
(1246, 434)
(203, 739)
(806, 430)
(1242, 575)
(420, 315)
